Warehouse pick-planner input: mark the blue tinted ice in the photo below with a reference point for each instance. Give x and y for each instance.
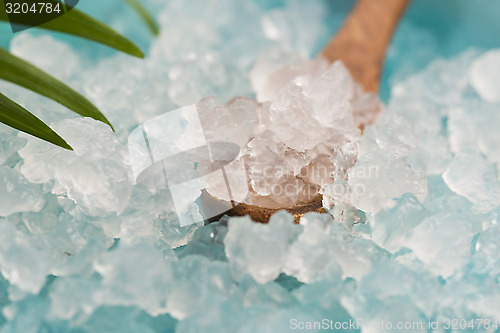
(412, 229)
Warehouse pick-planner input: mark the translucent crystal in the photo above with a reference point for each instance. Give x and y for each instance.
(82, 302)
(122, 268)
(207, 241)
(313, 111)
(9, 145)
(17, 194)
(198, 283)
(23, 262)
(471, 176)
(355, 254)
(390, 227)
(380, 176)
(431, 155)
(442, 241)
(309, 258)
(483, 73)
(412, 297)
(472, 126)
(487, 244)
(237, 118)
(95, 175)
(259, 250)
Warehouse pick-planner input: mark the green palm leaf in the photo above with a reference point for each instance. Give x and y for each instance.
(14, 115)
(145, 16)
(77, 23)
(22, 73)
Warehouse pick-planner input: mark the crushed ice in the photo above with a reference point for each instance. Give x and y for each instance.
(412, 232)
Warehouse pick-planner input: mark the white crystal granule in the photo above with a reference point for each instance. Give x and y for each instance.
(313, 109)
(484, 74)
(95, 175)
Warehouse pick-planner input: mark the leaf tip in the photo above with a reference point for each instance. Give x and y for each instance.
(68, 147)
(140, 54)
(61, 142)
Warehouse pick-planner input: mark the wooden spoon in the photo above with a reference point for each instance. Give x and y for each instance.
(360, 44)
(362, 41)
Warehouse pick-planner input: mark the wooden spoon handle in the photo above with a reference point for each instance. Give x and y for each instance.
(363, 39)
(361, 44)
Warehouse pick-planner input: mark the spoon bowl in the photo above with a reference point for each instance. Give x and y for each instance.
(360, 44)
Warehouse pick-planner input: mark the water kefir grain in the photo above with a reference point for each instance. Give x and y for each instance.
(303, 131)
